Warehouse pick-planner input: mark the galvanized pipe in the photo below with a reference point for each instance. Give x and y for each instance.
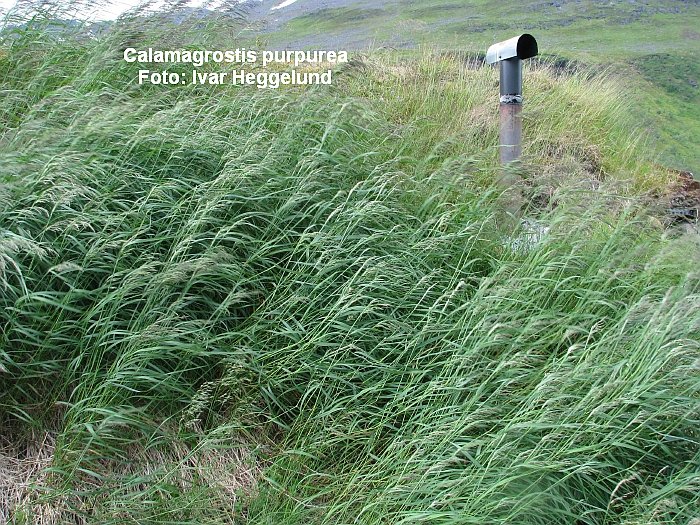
(511, 134)
(511, 131)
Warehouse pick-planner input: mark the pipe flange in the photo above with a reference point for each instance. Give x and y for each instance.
(511, 99)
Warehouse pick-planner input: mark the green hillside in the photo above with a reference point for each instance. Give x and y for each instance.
(220, 304)
(653, 45)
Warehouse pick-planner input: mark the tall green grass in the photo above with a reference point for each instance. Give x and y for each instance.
(225, 305)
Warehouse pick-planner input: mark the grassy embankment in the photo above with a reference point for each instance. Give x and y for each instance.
(225, 305)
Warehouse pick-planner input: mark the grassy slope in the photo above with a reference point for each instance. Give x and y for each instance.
(224, 305)
(628, 36)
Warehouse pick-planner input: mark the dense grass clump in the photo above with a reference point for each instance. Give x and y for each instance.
(224, 305)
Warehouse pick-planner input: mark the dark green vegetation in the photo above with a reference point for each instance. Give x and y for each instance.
(672, 73)
(652, 45)
(224, 305)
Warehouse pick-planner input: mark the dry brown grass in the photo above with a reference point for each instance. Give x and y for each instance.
(22, 469)
(25, 481)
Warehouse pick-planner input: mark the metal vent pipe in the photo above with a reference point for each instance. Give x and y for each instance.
(510, 54)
